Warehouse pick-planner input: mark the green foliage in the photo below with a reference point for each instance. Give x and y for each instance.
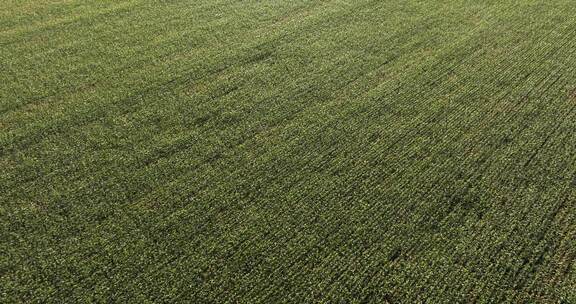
(287, 151)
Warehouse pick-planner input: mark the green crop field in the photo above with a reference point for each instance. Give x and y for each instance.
(298, 151)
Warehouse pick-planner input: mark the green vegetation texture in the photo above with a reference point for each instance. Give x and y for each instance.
(299, 151)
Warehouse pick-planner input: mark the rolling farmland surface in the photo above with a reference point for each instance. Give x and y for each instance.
(326, 151)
